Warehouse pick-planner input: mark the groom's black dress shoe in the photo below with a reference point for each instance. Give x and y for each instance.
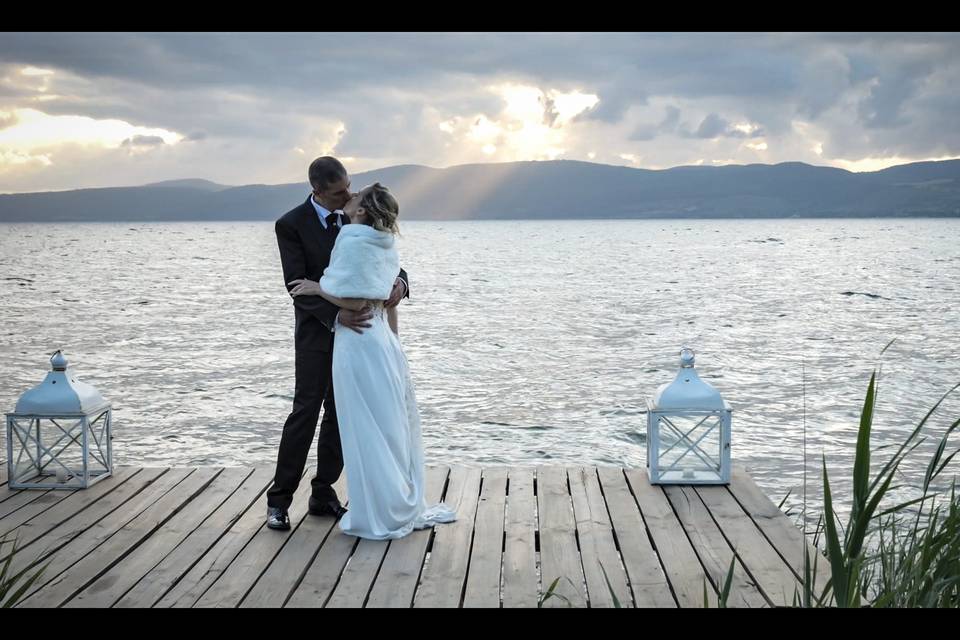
(277, 518)
(329, 508)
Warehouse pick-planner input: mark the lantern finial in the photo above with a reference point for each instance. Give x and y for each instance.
(58, 361)
(686, 357)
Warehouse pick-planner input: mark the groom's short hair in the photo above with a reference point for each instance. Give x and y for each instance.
(324, 171)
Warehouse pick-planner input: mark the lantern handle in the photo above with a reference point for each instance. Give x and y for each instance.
(687, 357)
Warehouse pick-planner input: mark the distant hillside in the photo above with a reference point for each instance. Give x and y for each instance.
(194, 183)
(540, 190)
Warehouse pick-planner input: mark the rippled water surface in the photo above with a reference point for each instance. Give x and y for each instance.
(530, 342)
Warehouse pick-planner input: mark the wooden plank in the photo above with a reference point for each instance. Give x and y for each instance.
(19, 500)
(322, 575)
(358, 574)
(155, 584)
(648, 582)
(6, 492)
(679, 560)
(281, 577)
(74, 503)
(445, 570)
(362, 571)
(31, 510)
(77, 535)
(520, 582)
(598, 546)
(215, 561)
(712, 549)
(559, 555)
(397, 581)
(763, 563)
(785, 537)
(483, 579)
(112, 584)
(91, 565)
(230, 587)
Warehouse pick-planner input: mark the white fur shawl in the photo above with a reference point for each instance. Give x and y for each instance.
(364, 264)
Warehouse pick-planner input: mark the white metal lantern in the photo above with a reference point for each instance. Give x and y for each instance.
(688, 430)
(58, 437)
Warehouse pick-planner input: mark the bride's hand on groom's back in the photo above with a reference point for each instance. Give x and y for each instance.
(304, 287)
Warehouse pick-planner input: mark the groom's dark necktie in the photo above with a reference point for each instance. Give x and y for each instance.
(332, 221)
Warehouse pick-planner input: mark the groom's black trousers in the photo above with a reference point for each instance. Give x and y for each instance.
(314, 388)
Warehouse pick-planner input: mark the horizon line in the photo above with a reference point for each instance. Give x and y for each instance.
(476, 164)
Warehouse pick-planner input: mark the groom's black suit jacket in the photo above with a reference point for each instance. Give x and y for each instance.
(305, 248)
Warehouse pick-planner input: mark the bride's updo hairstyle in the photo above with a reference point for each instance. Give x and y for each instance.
(381, 208)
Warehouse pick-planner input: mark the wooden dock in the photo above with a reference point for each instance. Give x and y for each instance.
(195, 537)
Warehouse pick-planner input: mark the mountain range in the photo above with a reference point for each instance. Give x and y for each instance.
(556, 189)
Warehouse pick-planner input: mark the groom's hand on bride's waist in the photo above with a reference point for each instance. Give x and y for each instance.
(356, 320)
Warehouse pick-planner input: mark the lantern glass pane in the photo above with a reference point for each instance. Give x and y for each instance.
(62, 440)
(49, 451)
(690, 448)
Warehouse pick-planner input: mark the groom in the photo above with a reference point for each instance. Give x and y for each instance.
(306, 235)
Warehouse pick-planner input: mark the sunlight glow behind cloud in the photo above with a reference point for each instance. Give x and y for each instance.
(533, 124)
(35, 130)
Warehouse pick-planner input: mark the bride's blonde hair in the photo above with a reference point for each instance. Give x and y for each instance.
(381, 207)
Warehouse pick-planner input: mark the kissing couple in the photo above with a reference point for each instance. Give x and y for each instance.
(341, 267)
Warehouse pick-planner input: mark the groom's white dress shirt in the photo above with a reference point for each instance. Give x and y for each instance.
(323, 212)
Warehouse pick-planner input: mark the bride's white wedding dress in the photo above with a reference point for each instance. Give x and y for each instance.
(376, 406)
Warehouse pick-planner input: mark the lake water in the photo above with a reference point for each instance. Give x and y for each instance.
(530, 342)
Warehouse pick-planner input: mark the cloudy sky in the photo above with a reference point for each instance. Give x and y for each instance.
(118, 109)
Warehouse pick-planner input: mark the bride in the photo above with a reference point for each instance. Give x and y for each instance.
(377, 410)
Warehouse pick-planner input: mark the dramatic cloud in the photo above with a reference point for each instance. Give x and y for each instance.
(7, 119)
(87, 109)
(142, 141)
